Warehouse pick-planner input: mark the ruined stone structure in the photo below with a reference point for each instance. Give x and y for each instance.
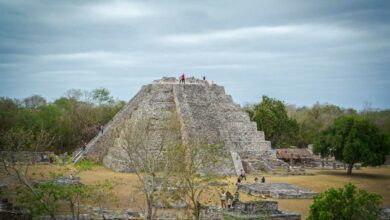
(200, 109)
(261, 210)
(276, 190)
(251, 211)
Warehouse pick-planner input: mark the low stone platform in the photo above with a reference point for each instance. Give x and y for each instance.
(251, 210)
(276, 190)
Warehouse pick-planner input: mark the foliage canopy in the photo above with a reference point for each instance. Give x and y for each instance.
(70, 121)
(347, 204)
(353, 139)
(271, 117)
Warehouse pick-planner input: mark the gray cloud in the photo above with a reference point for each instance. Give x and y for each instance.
(298, 51)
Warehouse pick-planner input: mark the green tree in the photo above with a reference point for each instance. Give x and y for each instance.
(8, 110)
(271, 117)
(49, 197)
(346, 204)
(353, 139)
(312, 120)
(14, 163)
(102, 95)
(381, 118)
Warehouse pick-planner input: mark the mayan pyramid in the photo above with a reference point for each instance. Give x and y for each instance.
(199, 108)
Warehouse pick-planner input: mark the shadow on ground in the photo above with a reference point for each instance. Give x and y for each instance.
(355, 174)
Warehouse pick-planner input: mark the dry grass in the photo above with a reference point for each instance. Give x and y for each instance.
(126, 185)
(371, 179)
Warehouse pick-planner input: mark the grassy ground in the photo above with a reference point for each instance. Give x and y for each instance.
(371, 179)
(126, 186)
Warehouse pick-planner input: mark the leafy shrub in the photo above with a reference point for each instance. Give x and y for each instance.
(347, 203)
(85, 165)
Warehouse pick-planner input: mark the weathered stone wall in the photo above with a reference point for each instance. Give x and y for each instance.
(156, 108)
(97, 148)
(202, 111)
(276, 190)
(251, 211)
(258, 207)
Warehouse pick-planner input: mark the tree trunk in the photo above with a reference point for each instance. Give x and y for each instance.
(350, 166)
(197, 210)
(149, 212)
(197, 213)
(73, 211)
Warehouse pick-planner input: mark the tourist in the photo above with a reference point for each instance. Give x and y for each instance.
(242, 174)
(263, 180)
(183, 78)
(236, 199)
(229, 198)
(223, 199)
(204, 78)
(101, 129)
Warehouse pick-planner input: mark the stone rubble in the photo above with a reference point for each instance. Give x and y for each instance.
(276, 190)
(250, 210)
(68, 180)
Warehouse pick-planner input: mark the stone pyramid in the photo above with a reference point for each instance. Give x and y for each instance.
(199, 108)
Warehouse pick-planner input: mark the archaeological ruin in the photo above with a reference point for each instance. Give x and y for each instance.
(276, 190)
(200, 109)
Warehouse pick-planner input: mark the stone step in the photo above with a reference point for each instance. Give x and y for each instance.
(237, 162)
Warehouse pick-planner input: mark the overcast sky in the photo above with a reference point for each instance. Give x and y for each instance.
(297, 51)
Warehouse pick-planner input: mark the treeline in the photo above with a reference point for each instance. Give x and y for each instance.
(74, 119)
(61, 125)
(288, 125)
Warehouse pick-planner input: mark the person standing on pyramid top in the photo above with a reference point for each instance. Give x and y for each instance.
(182, 78)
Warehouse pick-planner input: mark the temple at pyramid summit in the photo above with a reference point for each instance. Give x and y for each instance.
(200, 109)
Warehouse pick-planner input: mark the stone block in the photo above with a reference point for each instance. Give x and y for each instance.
(202, 110)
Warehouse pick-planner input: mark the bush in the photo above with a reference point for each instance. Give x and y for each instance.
(347, 203)
(85, 165)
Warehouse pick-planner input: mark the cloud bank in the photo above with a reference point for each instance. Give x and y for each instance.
(297, 51)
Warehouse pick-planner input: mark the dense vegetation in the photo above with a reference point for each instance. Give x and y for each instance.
(63, 124)
(73, 119)
(288, 125)
(353, 139)
(271, 117)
